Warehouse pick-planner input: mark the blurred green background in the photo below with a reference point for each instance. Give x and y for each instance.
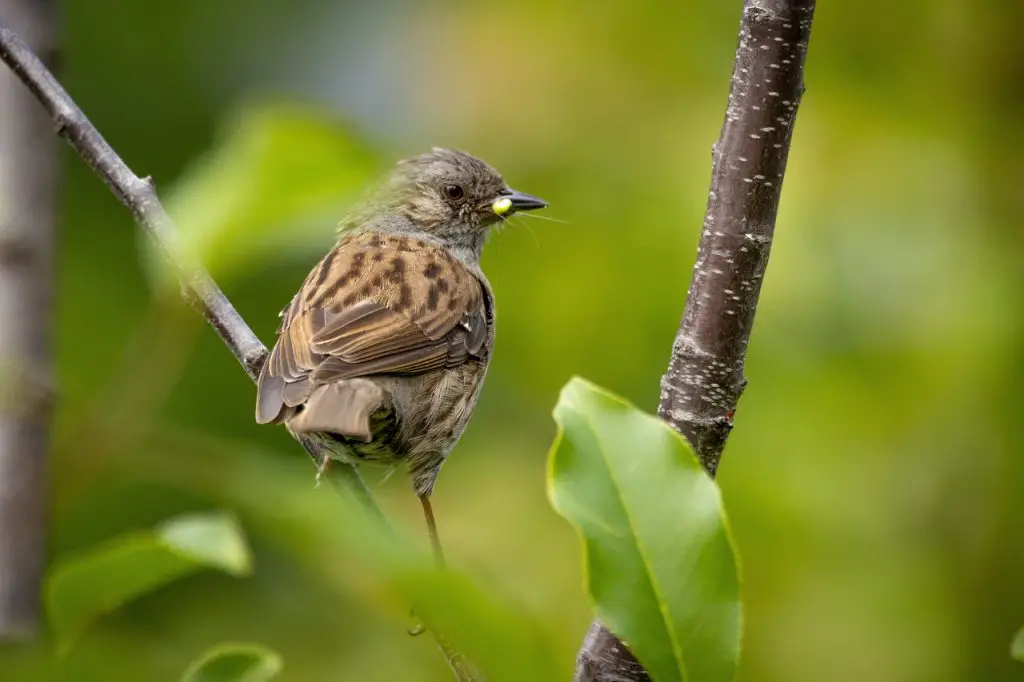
(874, 480)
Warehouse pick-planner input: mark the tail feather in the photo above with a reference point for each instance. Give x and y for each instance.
(343, 408)
(270, 407)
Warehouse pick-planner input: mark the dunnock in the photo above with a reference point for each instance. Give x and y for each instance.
(382, 353)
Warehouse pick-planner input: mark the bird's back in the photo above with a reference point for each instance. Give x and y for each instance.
(385, 348)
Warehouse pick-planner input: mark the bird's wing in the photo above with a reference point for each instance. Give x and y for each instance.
(376, 304)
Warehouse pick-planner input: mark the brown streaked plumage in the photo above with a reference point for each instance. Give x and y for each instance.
(383, 351)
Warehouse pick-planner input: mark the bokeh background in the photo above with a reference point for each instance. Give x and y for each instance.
(874, 480)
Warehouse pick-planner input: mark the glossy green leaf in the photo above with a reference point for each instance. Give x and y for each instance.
(275, 182)
(232, 662)
(81, 588)
(662, 571)
(1017, 646)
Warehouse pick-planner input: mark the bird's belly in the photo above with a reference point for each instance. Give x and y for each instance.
(436, 419)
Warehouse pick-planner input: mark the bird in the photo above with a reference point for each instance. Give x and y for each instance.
(382, 353)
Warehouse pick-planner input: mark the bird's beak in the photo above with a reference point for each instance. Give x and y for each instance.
(511, 201)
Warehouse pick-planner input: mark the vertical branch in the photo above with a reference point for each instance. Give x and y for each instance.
(702, 386)
(705, 374)
(28, 184)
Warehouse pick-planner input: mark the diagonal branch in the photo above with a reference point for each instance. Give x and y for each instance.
(197, 287)
(138, 195)
(704, 380)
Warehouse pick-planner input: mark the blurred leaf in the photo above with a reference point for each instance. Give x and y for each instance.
(215, 540)
(82, 588)
(662, 570)
(501, 641)
(235, 663)
(499, 637)
(1017, 646)
(276, 180)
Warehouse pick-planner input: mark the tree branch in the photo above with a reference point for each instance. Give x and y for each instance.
(28, 188)
(138, 195)
(198, 288)
(704, 380)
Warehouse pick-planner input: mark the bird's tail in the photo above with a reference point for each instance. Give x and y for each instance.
(343, 408)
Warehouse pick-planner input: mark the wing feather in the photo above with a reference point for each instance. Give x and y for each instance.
(376, 304)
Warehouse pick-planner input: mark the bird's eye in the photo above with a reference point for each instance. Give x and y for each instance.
(454, 192)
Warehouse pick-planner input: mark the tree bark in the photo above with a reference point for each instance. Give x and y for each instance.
(28, 187)
(702, 386)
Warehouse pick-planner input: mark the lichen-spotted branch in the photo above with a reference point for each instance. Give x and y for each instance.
(198, 288)
(702, 386)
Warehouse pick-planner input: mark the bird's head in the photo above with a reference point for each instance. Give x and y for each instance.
(453, 196)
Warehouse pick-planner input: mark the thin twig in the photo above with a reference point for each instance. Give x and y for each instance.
(198, 288)
(702, 386)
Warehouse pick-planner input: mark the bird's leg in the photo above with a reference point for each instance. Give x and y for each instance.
(435, 543)
(435, 540)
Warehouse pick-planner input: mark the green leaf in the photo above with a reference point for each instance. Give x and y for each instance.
(662, 571)
(84, 587)
(501, 641)
(275, 182)
(499, 637)
(1017, 646)
(235, 663)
